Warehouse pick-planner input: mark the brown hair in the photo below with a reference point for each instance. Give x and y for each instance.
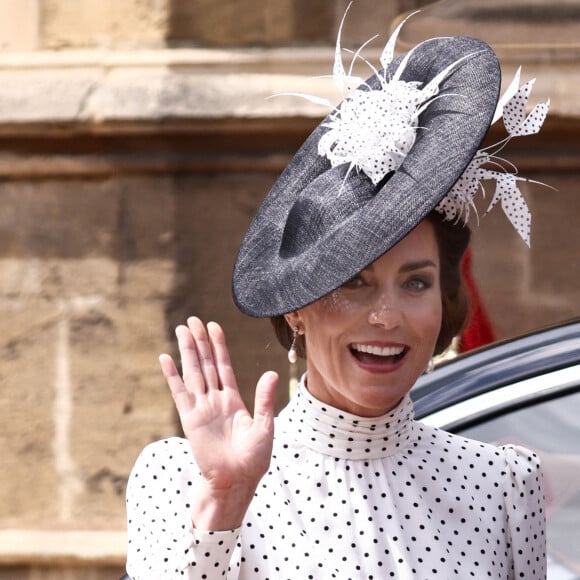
(452, 241)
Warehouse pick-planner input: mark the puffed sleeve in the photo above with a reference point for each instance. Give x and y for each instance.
(524, 504)
(162, 542)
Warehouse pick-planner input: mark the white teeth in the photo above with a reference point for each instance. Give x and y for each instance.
(379, 350)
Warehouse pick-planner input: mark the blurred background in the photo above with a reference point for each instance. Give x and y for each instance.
(136, 142)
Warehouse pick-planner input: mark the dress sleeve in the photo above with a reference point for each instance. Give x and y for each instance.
(524, 504)
(162, 542)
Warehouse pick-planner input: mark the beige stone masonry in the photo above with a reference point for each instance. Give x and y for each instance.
(101, 88)
(63, 24)
(104, 23)
(34, 547)
(20, 25)
(106, 87)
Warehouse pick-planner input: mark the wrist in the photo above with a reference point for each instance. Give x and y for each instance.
(220, 510)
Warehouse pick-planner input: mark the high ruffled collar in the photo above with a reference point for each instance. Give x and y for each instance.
(330, 431)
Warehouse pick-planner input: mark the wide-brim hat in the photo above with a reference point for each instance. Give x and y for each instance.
(320, 225)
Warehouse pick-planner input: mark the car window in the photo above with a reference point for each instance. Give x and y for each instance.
(552, 429)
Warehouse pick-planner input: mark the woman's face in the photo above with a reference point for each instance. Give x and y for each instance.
(368, 341)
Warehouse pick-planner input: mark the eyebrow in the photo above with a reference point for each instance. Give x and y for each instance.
(411, 266)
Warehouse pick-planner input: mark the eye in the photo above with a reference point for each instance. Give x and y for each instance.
(353, 283)
(418, 284)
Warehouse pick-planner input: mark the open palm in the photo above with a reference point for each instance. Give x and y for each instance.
(231, 448)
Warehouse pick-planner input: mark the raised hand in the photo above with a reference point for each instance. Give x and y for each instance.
(231, 448)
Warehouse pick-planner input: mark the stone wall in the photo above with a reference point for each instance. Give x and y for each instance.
(131, 161)
(142, 24)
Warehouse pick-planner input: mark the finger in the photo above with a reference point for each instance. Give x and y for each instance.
(225, 371)
(265, 398)
(204, 352)
(193, 377)
(184, 401)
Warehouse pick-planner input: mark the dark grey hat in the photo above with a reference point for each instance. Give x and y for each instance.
(320, 225)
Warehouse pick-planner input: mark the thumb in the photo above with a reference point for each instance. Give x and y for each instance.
(265, 396)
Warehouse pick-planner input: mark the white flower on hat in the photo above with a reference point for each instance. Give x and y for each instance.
(374, 130)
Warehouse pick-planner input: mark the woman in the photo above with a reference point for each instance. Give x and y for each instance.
(351, 256)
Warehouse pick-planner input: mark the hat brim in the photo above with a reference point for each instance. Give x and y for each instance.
(269, 280)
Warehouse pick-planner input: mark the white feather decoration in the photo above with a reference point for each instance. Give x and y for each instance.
(374, 130)
(459, 201)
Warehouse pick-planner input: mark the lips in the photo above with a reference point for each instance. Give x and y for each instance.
(378, 358)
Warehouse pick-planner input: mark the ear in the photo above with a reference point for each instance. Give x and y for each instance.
(294, 320)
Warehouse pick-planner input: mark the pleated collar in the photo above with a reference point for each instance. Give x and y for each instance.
(325, 429)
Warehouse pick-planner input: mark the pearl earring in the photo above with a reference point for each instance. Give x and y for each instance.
(292, 354)
(430, 366)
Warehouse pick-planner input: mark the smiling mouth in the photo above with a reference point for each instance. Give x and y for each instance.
(372, 354)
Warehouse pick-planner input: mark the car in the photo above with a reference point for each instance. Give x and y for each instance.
(524, 391)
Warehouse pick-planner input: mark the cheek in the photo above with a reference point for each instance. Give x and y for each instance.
(325, 320)
(334, 304)
(427, 315)
(433, 317)
(331, 310)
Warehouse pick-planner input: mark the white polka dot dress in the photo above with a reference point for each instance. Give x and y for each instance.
(350, 498)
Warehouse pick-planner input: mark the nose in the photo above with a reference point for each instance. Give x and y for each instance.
(385, 314)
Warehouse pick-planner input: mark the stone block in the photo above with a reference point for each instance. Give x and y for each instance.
(19, 25)
(61, 550)
(55, 279)
(104, 23)
(536, 27)
(67, 220)
(250, 22)
(144, 219)
(28, 476)
(48, 572)
(120, 401)
(109, 224)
